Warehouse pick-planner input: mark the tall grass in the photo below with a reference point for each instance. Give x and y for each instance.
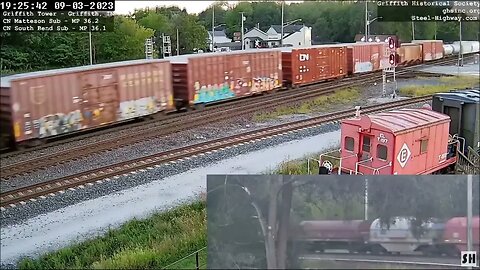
(448, 84)
(320, 103)
(150, 243)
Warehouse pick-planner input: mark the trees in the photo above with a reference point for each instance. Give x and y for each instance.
(252, 216)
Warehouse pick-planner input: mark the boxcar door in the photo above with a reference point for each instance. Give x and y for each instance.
(100, 98)
(322, 63)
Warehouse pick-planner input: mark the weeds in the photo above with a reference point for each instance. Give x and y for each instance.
(320, 103)
(151, 243)
(448, 84)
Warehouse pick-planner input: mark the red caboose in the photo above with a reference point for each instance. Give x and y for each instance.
(404, 141)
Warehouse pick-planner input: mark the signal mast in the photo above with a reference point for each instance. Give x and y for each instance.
(392, 60)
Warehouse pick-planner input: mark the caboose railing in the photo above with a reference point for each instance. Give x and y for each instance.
(468, 164)
(323, 161)
(373, 169)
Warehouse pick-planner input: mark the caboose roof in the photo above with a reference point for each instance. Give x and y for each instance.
(399, 121)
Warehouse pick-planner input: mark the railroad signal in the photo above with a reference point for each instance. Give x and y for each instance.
(391, 43)
(392, 59)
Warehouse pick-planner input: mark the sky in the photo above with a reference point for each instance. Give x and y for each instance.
(125, 7)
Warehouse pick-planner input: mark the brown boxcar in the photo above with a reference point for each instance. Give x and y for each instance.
(367, 57)
(409, 54)
(303, 66)
(210, 77)
(431, 49)
(48, 103)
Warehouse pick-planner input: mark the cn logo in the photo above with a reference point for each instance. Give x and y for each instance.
(304, 57)
(468, 258)
(403, 155)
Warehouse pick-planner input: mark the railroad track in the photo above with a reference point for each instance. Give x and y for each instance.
(49, 188)
(196, 119)
(404, 260)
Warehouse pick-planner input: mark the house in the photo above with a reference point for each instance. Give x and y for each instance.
(293, 36)
(218, 37)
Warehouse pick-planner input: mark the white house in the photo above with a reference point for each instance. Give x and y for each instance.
(293, 36)
(218, 37)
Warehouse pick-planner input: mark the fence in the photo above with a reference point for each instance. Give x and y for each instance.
(191, 261)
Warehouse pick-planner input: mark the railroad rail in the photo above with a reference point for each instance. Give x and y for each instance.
(196, 119)
(114, 171)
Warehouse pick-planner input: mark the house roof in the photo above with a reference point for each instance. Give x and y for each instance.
(287, 29)
(218, 33)
(398, 121)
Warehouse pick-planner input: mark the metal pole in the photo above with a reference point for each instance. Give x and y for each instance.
(461, 47)
(90, 44)
(213, 27)
(178, 43)
(243, 41)
(435, 30)
(366, 21)
(469, 213)
(366, 199)
(413, 31)
(281, 34)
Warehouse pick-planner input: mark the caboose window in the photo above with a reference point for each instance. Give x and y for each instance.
(381, 152)
(349, 143)
(423, 146)
(366, 144)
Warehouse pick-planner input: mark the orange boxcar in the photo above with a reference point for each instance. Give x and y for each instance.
(431, 49)
(48, 103)
(303, 66)
(404, 141)
(367, 57)
(409, 54)
(211, 77)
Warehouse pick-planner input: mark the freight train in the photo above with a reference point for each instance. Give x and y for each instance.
(437, 238)
(410, 141)
(37, 106)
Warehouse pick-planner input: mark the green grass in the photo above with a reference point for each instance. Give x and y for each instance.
(154, 242)
(448, 84)
(320, 103)
(300, 166)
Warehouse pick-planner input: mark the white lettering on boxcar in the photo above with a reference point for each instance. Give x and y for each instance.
(304, 57)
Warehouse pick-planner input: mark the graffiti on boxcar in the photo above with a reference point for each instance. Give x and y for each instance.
(211, 93)
(264, 83)
(136, 108)
(363, 66)
(59, 123)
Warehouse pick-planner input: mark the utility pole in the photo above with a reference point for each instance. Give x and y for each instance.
(90, 42)
(366, 198)
(281, 34)
(469, 213)
(413, 31)
(460, 54)
(213, 27)
(178, 44)
(366, 21)
(243, 41)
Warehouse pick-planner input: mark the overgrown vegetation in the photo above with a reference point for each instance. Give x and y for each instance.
(321, 103)
(447, 84)
(155, 243)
